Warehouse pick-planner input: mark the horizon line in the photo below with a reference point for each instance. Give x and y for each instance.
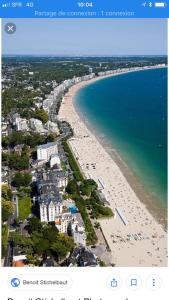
(87, 55)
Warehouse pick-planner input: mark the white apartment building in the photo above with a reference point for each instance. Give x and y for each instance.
(49, 210)
(63, 222)
(76, 80)
(87, 77)
(4, 125)
(5, 132)
(47, 103)
(45, 151)
(43, 212)
(51, 126)
(38, 102)
(78, 230)
(54, 209)
(74, 224)
(62, 179)
(60, 88)
(4, 128)
(15, 119)
(55, 160)
(79, 238)
(36, 125)
(21, 124)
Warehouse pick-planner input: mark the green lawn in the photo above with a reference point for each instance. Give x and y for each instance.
(24, 207)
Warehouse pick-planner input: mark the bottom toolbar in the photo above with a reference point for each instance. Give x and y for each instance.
(85, 283)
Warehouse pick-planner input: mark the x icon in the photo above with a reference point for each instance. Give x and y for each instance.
(10, 28)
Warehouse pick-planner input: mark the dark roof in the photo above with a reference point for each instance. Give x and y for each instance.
(46, 199)
(87, 258)
(83, 257)
(48, 263)
(54, 174)
(47, 187)
(76, 252)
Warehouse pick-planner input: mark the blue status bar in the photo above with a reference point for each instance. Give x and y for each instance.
(84, 9)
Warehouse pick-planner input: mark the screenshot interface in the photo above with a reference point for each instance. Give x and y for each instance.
(84, 201)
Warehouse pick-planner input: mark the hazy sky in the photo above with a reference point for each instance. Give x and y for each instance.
(87, 37)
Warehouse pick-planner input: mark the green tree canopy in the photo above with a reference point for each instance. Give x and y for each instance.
(62, 246)
(7, 209)
(72, 187)
(35, 225)
(21, 179)
(42, 115)
(6, 192)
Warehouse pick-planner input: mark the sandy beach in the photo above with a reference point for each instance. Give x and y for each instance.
(134, 235)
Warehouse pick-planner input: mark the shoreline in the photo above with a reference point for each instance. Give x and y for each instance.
(137, 199)
(151, 202)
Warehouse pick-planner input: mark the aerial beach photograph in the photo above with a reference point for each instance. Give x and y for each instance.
(84, 143)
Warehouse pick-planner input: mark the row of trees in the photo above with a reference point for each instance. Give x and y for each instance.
(73, 164)
(90, 232)
(29, 139)
(7, 206)
(86, 188)
(7, 210)
(92, 203)
(73, 189)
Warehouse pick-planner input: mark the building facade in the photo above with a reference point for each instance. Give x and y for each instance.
(52, 127)
(45, 151)
(55, 161)
(49, 210)
(21, 125)
(78, 230)
(63, 222)
(36, 125)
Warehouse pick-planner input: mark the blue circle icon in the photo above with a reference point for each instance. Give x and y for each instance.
(15, 282)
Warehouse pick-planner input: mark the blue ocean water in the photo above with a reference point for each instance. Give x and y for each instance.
(130, 110)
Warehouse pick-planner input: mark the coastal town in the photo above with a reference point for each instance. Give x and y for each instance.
(65, 200)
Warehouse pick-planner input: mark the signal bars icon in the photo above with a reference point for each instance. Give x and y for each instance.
(4, 5)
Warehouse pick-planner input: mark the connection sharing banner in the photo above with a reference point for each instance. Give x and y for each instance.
(84, 9)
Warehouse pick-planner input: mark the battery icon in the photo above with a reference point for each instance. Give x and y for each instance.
(159, 4)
